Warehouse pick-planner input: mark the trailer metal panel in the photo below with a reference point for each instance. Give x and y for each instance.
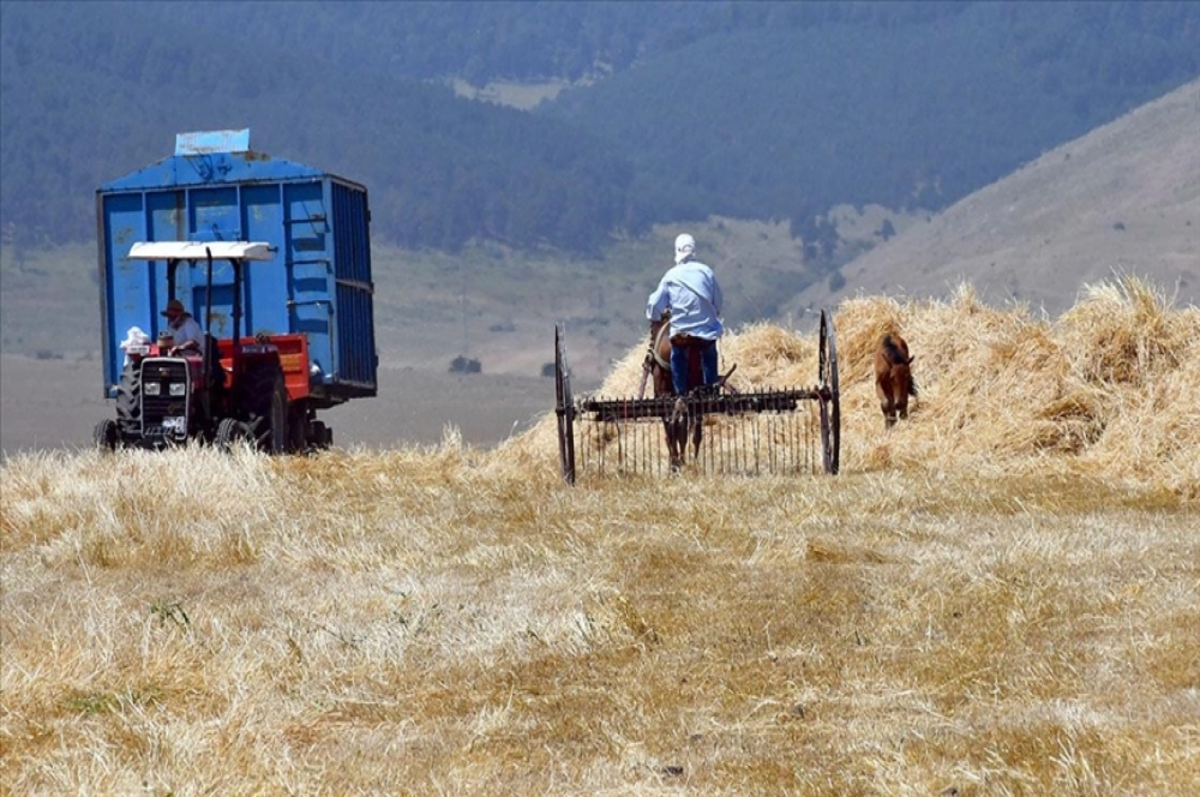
(315, 224)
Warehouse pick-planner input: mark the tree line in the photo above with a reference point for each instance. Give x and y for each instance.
(753, 110)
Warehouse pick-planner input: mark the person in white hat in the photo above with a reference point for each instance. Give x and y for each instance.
(187, 333)
(690, 292)
(134, 338)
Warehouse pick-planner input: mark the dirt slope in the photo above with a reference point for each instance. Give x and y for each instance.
(1124, 198)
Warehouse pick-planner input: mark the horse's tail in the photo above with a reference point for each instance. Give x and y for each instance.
(912, 385)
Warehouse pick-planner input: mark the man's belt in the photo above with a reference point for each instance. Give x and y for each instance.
(689, 340)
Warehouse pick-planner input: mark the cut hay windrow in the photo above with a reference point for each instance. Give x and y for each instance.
(1111, 388)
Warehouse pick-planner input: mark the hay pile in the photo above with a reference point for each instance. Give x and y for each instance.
(1111, 389)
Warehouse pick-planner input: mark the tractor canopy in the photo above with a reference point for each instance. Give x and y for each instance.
(195, 251)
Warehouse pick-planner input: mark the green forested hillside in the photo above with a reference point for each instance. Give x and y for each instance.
(787, 123)
(441, 170)
(751, 110)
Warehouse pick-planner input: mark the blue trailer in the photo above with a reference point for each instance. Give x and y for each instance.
(271, 257)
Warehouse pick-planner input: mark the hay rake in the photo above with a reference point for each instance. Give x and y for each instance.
(770, 431)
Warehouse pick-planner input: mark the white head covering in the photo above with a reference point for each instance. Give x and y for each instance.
(135, 337)
(685, 248)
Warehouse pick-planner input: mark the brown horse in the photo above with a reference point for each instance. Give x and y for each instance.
(677, 420)
(894, 381)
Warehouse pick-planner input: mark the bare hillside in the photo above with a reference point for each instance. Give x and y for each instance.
(1123, 199)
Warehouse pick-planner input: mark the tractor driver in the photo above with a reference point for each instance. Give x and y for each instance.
(188, 335)
(689, 290)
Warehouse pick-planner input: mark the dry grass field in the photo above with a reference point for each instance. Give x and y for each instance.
(999, 596)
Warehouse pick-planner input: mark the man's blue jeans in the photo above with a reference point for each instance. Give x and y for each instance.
(679, 364)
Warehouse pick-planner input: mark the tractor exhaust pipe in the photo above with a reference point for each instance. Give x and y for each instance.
(207, 355)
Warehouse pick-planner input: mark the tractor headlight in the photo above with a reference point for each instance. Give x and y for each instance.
(178, 388)
(152, 389)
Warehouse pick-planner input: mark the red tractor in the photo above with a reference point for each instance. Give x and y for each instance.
(254, 388)
(273, 258)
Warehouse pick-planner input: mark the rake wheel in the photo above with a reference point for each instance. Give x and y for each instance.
(829, 399)
(564, 406)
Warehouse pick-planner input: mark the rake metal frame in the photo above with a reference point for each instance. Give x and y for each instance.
(622, 411)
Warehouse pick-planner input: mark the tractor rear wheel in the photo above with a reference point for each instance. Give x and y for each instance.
(322, 435)
(278, 415)
(105, 435)
(265, 402)
(297, 428)
(230, 432)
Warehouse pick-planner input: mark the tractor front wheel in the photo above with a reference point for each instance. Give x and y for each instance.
(129, 397)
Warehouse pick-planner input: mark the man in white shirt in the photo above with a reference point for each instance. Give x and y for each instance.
(690, 291)
(188, 335)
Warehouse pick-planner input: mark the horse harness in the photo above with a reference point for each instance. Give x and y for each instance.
(656, 345)
(653, 357)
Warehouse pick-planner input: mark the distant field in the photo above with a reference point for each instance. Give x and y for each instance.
(57, 403)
